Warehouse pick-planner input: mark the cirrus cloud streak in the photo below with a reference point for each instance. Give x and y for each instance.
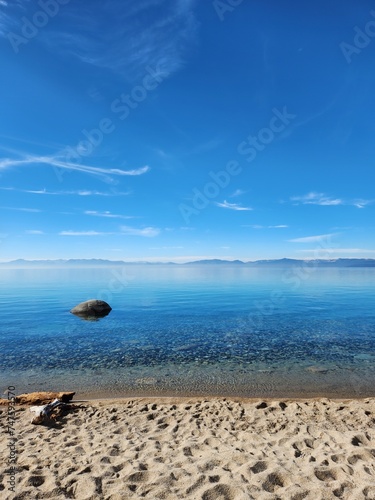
(322, 199)
(58, 161)
(232, 206)
(313, 239)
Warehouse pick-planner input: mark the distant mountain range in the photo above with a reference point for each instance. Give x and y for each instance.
(21, 263)
(293, 262)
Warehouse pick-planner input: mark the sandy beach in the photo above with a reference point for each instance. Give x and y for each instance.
(170, 448)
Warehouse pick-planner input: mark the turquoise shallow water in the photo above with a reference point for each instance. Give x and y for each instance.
(212, 330)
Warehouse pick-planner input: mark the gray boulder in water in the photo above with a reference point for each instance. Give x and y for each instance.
(92, 309)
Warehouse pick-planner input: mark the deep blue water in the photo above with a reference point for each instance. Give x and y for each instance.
(190, 330)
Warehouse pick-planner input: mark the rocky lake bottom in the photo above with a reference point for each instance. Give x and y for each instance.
(185, 330)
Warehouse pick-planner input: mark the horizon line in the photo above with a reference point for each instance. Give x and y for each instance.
(172, 261)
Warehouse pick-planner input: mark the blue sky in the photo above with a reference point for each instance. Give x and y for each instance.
(181, 129)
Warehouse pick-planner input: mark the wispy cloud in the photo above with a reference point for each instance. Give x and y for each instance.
(322, 199)
(148, 232)
(166, 248)
(342, 250)
(84, 192)
(232, 206)
(34, 231)
(58, 161)
(316, 199)
(206, 147)
(108, 214)
(257, 226)
(237, 192)
(11, 15)
(54, 146)
(361, 203)
(5, 19)
(82, 233)
(81, 192)
(132, 36)
(163, 155)
(34, 210)
(313, 239)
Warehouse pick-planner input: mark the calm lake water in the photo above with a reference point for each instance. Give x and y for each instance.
(190, 330)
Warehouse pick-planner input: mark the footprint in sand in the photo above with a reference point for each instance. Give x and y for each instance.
(369, 492)
(187, 451)
(354, 459)
(259, 467)
(273, 482)
(140, 476)
(359, 440)
(219, 492)
(196, 485)
(35, 481)
(325, 474)
(115, 451)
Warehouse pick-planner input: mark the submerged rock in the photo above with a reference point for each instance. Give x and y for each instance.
(317, 369)
(92, 309)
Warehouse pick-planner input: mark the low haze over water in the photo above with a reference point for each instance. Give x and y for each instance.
(190, 329)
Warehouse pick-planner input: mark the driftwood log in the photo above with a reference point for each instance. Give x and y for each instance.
(47, 414)
(40, 398)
